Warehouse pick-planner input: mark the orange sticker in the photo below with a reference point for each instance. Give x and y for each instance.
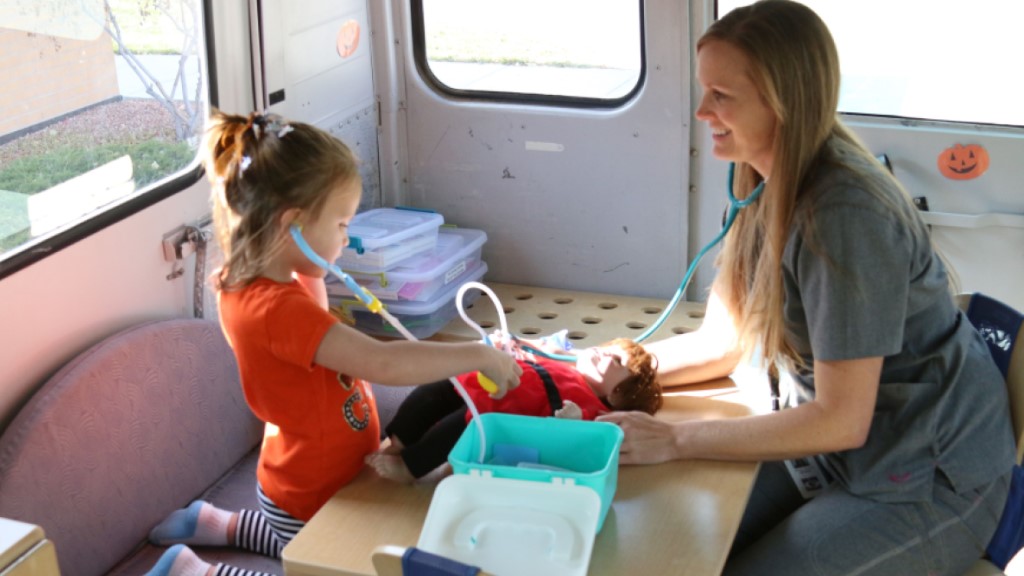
(348, 38)
(963, 162)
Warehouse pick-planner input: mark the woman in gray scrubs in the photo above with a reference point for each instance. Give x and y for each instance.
(831, 276)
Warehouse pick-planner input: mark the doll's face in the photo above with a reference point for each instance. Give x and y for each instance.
(603, 368)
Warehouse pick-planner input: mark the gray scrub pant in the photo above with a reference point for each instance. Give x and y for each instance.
(838, 533)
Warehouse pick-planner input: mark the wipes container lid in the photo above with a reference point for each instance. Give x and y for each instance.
(512, 527)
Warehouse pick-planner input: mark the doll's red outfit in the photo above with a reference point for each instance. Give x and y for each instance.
(431, 419)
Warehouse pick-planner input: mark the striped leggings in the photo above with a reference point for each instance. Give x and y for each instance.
(265, 532)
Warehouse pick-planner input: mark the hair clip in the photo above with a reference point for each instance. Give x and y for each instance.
(244, 164)
(277, 125)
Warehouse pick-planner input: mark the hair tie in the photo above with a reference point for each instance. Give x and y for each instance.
(277, 125)
(256, 121)
(272, 123)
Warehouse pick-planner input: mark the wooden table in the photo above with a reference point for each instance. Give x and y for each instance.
(673, 518)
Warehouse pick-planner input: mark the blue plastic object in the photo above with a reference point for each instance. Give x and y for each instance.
(369, 300)
(514, 454)
(416, 562)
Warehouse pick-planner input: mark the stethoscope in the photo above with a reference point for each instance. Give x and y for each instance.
(735, 204)
(375, 306)
(371, 302)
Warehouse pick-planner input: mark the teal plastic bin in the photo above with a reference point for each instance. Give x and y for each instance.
(553, 450)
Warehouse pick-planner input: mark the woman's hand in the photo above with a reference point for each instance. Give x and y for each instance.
(648, 440)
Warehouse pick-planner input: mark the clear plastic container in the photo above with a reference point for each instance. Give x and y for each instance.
(422, 319)
(388, 236)
(420, 277)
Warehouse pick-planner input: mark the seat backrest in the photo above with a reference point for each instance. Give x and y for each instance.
(129, 430)
(1001, 326)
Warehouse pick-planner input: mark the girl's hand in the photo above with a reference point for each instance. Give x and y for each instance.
(502, 370)
(510, 345)
(648, 440)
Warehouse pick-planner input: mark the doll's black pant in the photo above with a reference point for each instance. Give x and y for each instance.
(429, 422)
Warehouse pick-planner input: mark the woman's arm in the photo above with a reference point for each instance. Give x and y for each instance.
(711, 352)
(839, 418)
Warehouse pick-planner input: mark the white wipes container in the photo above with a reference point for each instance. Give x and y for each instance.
(512, 527)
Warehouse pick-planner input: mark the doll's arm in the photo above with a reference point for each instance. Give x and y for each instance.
(569, 410)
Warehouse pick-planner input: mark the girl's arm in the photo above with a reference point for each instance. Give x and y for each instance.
(711, 352)
(406, 363)
(837, 419)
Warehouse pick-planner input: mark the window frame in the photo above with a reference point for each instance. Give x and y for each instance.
(35, 250)
(419, 51)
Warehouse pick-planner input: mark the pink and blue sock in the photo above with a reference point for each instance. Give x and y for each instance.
(200, 523)
(179, 560)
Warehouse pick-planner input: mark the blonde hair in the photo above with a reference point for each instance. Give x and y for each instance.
(259, 166)
(794, 64)
(641, 389)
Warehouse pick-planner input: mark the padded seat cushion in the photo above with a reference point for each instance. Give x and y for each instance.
(235, 491)
(129, 430)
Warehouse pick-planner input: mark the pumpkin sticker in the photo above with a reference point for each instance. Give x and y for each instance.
(963, 162)
(348, 38)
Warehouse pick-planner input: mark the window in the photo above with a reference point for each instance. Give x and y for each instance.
(103, 103)
(930, 59)
(582, 51)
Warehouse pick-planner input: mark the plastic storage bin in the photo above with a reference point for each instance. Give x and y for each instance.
(422, 319)
(420, 277)
(387, 236)
(578, 452)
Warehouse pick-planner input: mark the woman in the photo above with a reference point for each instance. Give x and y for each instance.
(830, 275)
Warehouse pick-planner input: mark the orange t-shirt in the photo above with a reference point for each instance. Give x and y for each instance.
(319, 424)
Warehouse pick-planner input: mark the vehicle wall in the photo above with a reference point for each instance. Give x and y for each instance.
(613, 200)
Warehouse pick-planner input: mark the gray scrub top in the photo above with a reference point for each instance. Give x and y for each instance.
(866, 284)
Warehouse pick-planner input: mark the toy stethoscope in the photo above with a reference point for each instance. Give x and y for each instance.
(734, 207)
(375, 305)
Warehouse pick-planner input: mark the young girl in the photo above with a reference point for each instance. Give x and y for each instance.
(618, 375)
(303, 372)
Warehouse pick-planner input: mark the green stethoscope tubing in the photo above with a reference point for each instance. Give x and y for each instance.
(735, 205)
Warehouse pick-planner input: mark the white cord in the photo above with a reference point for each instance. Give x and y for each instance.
(502, 321)
(455, 381)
